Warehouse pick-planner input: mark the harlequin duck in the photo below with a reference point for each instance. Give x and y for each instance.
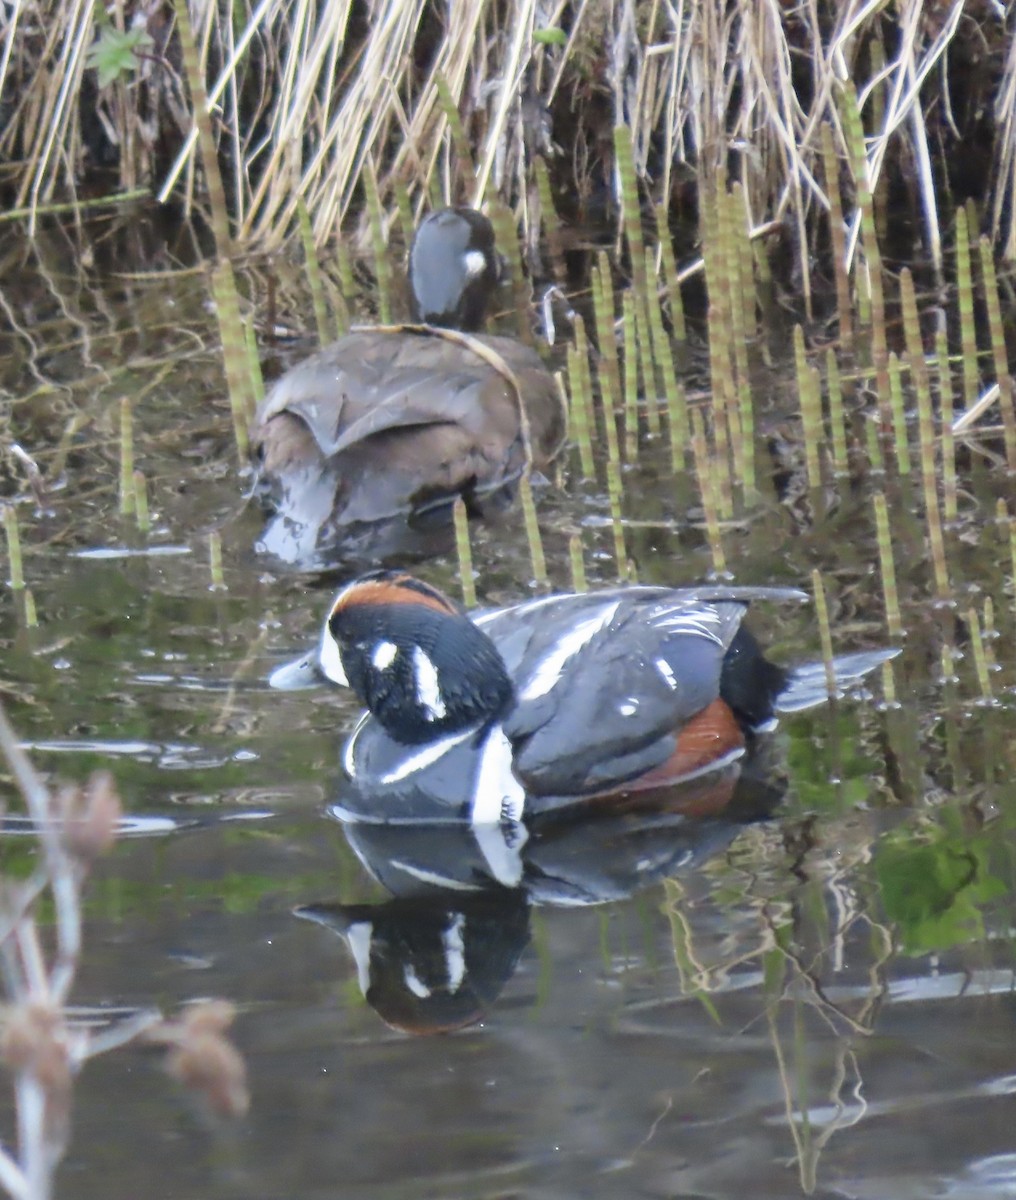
(387, 426)
(566, 699)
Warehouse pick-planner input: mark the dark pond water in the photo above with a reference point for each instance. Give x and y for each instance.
(821, 1001)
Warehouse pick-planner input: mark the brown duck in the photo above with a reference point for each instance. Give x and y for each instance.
(374, 437)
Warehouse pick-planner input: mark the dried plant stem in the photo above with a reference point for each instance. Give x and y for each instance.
(873, 258)
(217, 203)
(314, 281)
(838, 237)
(234, 356)
(379, 246)
(464, 550)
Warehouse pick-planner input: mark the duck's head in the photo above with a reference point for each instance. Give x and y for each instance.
(411, 655)
(453, 269)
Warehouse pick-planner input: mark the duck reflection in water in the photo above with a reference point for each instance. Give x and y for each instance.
(436, 956)
(567, 750)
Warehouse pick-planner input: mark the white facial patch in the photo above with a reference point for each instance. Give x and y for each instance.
(474, 262)
(385, 653)
(331, 659)
(428, 686)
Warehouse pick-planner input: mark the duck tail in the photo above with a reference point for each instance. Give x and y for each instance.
(806, 686)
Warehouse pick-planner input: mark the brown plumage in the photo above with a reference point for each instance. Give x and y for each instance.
(382, 430)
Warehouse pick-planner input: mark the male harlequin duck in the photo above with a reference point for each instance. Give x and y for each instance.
(512, 714)
(390, 424)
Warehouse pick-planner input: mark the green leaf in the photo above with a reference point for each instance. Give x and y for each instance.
(550, 37)
(933, 890)
(115, 55)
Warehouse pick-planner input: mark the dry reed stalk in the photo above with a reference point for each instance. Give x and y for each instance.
(873, 259)
(234, 356)
(464, 553)
(838, 237)
(999, 353)
(742, 302)
(194, 71)
(379, 247)
(313, 268)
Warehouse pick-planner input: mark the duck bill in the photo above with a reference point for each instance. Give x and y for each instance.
(299, 674)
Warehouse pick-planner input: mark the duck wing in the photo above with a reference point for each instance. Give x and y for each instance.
(603, 696)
